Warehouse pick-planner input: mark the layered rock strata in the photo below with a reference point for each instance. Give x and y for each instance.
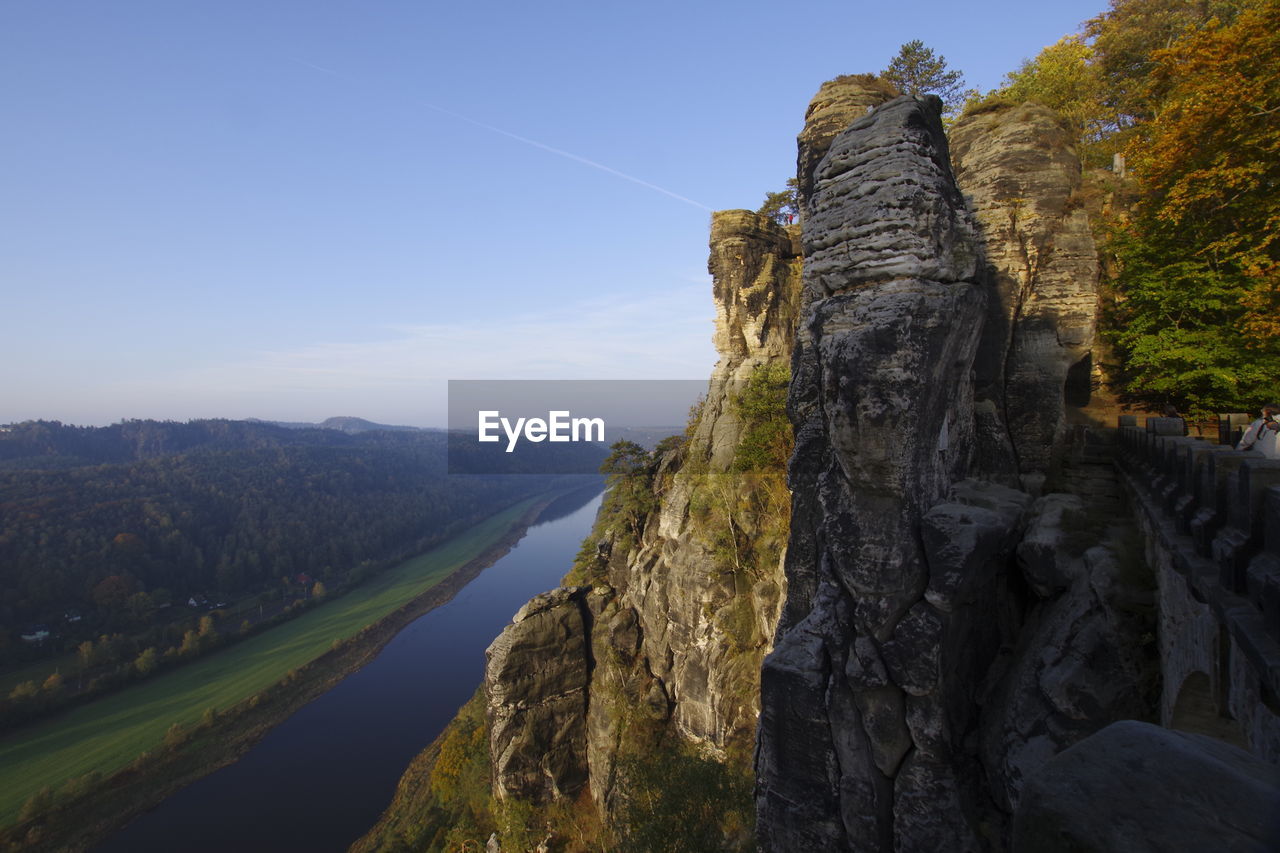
(1022, 179)
(882, 640)
(910, 642)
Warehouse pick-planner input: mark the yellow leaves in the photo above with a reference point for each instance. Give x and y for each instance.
(1209, 162)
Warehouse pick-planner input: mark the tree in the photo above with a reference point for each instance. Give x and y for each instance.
(318, 590)
(1065, 78)
(1197, 321)
(916, 70)
(629, 476)
(145, 663)
(88, 654)
(22, 692)
(37, 804)
(781, 204)
(1126, 38)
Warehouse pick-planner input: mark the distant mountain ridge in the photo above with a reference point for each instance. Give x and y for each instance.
(347, 424)
(52, 444)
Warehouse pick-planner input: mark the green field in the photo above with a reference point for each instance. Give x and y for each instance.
(107, 734)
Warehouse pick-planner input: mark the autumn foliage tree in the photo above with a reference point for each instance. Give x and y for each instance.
(1190, 93)
(1198, 320)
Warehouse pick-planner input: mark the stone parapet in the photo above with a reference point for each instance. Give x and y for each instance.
(1211, 519)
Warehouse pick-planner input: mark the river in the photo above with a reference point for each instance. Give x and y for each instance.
(319, 780)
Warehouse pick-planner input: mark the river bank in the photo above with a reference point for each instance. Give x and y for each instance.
(91, 808)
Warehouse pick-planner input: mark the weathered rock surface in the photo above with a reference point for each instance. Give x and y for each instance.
(755, 273)
(1141, 788)
(834, 108)
(536, 677)
(870, 692)
(1022, 178)
(675, 635)
(703, 629)
(1078, 665)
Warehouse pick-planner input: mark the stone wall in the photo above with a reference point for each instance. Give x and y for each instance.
(1211, 520)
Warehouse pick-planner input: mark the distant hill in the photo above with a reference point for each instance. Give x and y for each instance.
(646, 437)
(348, 425)
(52, 444)
(118, 522)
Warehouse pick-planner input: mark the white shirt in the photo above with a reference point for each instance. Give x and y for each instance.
(1265, 441)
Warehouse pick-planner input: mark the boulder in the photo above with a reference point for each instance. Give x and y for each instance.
(1144, 789)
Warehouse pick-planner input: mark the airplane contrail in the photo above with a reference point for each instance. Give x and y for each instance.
(568, 155)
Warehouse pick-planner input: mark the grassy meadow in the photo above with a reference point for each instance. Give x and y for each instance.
(109, 733)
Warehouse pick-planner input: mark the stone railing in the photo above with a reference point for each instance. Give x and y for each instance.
(1211, 516)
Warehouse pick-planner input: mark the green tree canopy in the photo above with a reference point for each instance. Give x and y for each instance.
(1197, 319)
(917, 70)
(778, 205)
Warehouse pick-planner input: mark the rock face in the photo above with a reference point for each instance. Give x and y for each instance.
(673, 635)
(1194, 793)
(755, 273)
(929, 657)
(536, 677)
(704, 627)
(1022, 179)
(868, 695)
(838, 103)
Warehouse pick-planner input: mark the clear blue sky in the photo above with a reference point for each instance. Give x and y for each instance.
(291, 210)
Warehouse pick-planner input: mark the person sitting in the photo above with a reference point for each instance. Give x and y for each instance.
(1263, 435)
(1171, 411)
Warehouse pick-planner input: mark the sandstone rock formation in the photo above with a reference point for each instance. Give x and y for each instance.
(1141, 788)
(918, 675)
(868, 696)
(1018, 170)
(838, 103)
(536, 677)
(670, 634)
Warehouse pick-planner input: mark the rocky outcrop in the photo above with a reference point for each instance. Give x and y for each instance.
(838, 103)
(704, 624)
(1141, 788)
(869, 694)
(673, 633)
(536, 676)
(1078, 662)
(755, 274)
(941, 638)
(1017, 168)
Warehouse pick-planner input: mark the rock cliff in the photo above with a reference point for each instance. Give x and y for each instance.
(925, 644)
(1022, 181)
(671, 630)
(947, 597)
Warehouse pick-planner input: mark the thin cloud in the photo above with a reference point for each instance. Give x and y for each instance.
(662, 336)
(542, 146)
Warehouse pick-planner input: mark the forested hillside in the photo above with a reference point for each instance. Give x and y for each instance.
(113, 525)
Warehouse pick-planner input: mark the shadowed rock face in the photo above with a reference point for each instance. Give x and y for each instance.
(1017, 168)
(918, 678)
(883, 638)
(1192, 793)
